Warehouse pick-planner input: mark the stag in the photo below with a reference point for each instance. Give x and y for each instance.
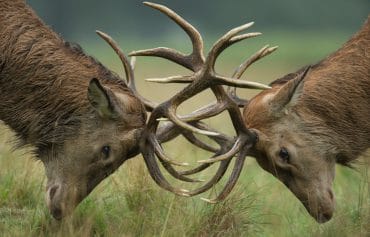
(312, 119)
(297, 129)
(81, 119)
(84, 121)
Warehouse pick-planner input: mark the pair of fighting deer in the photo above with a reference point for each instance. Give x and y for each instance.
(84, 121)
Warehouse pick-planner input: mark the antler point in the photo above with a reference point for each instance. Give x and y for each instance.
(205, 161)
(208, 200)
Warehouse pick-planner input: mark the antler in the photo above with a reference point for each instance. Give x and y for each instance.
(168, 131)
(203, 77)
(128, 68)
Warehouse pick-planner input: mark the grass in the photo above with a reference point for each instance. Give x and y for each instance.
(128, 203)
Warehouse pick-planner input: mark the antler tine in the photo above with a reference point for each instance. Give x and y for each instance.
(152, 142)
(167, 53)
(154, 171)
(169, 130)
(148, 153)
(232, 180)
(133, 63)
(125, 62)
(239, 83)
(264, 51)
(191, 138)
(241, 69)
(222, 140)
(129, 72)
(218, 80)
(205, 112)
(228, 155)
(192, 61)
(226, 142)
(215, 179)
(224, 42)
(173, 79)
(160, 153)
(204, 77)
(172, 116)
(177, 174)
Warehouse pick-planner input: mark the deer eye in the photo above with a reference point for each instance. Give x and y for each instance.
(284, 155)
(105, 150)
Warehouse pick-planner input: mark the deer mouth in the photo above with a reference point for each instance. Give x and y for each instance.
(62, 200)
(321, 209)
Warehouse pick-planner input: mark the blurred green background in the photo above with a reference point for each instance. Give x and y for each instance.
(305, 31)
(79, 19)
(129, 203)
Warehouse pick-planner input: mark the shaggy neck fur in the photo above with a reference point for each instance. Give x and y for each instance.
(335, 102)
(43, 79)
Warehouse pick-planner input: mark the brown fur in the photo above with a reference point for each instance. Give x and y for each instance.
(37, 65)
(321, 119)
(44, 85)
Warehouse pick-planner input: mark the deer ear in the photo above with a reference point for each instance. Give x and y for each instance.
(102, 99)
(289, 92)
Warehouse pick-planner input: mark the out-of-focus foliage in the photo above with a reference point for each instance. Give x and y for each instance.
(80, 18)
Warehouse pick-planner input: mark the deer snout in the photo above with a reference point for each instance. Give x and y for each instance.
(54, 202)
(327, 207)
(322, 208)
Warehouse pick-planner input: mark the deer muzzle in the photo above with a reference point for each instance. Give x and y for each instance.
(61, 200)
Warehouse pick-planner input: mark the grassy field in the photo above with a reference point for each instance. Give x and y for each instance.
(128, 203)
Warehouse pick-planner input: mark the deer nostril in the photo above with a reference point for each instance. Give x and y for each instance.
(327, 216)
(331, 195)
(57, 213)
(53, 191)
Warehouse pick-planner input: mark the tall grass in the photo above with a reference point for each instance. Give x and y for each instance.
(128, 203)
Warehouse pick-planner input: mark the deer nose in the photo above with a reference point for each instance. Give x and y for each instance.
(326, 211)
(53, 190)
(324, 216)
(331, 195)
(57, 213)
(53, 196)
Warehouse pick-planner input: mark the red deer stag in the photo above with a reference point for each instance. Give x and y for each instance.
(297, 130)
(312, 119)
(83, 120)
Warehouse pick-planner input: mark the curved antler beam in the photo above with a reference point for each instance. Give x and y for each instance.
(203, 77)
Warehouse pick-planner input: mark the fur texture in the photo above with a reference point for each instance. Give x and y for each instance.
(307, 125)
(44, 79)
(54, 97)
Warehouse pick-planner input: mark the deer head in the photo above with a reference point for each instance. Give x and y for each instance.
(109, 134)
(288, 149)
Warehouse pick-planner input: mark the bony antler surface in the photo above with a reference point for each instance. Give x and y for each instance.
(203, 77)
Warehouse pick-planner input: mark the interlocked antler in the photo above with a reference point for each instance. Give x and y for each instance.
(168, 131)
(204, 77)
